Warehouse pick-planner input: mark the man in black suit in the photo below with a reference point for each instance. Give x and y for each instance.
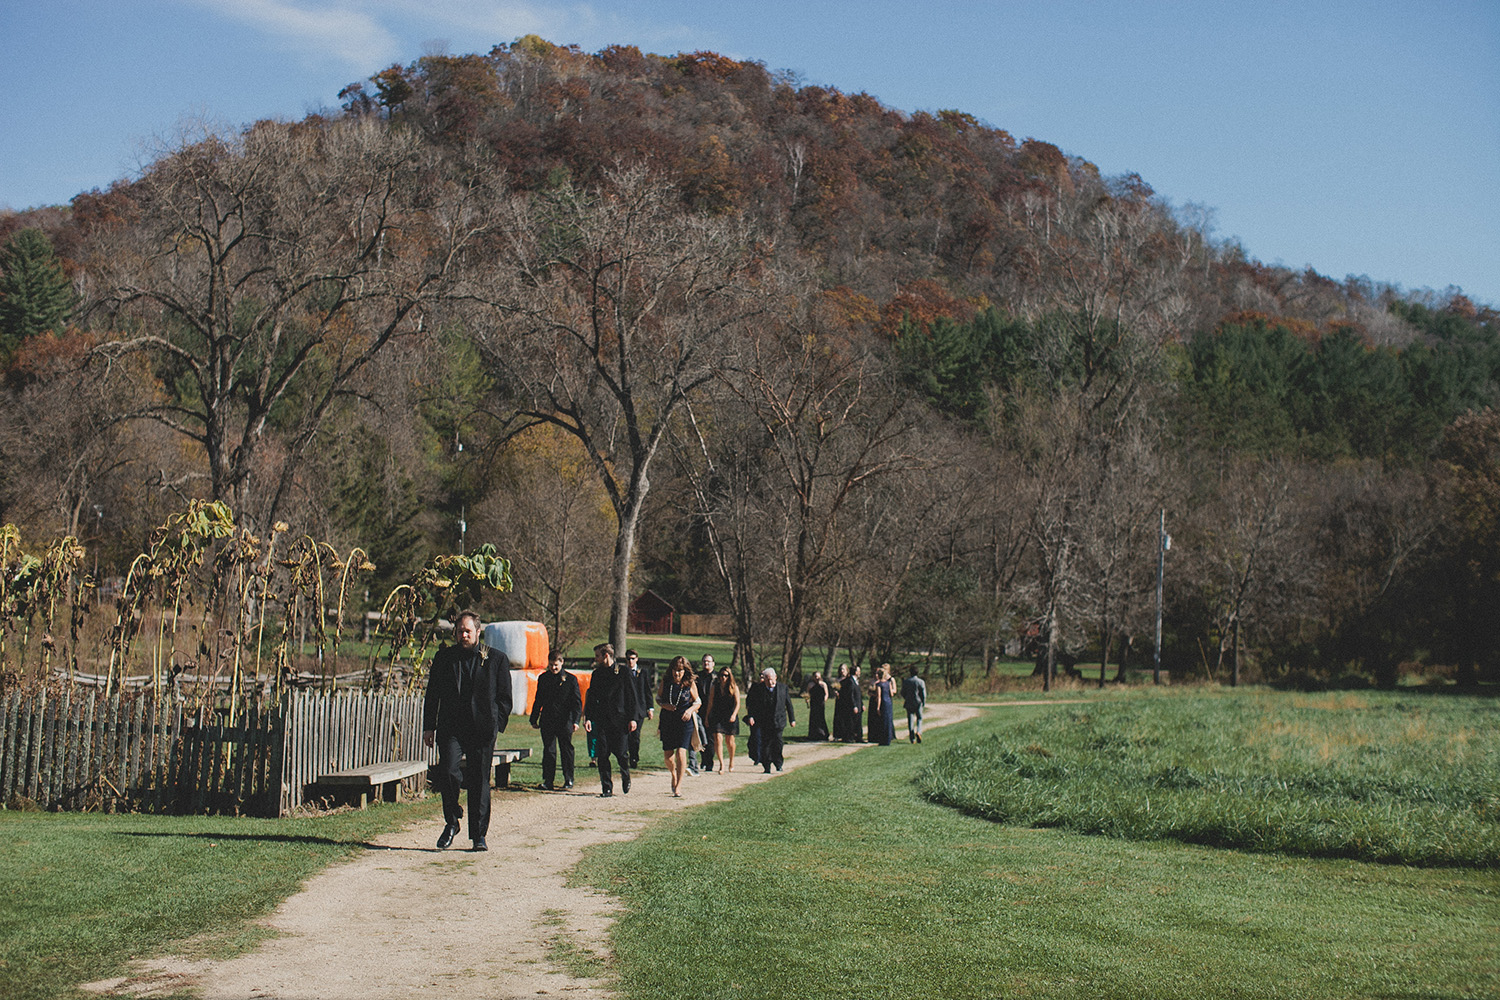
(609, 713)
(645, 702)
(769, 712)
(467, 704)
(704, 683)
(556, 711)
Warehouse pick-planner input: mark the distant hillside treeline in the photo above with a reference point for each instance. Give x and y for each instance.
(884, 381)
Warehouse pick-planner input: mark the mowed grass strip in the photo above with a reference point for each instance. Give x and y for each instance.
(1396, 778)
(842, 880)
(81, 894)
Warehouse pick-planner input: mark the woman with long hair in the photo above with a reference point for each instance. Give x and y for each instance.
(678, 697)
(723, 716)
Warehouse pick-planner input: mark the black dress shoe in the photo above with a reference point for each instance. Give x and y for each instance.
(446, 839)
(625, 786)
(549, 786)
(567, 785)
(605, 795)
(480, 845)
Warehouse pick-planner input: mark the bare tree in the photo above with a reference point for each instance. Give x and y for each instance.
(1118, 536)
(263, 272)
(611, 310)
(833, 422)
(555, 522)
(1253, 556)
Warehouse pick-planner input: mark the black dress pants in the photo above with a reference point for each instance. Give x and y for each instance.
(770, 747)
(555, 741)
(465, 764)
(612, 740)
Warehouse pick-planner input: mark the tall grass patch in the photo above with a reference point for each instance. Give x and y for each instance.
(1396, 778)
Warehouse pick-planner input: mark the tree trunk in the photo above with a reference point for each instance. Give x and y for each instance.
(619, 612)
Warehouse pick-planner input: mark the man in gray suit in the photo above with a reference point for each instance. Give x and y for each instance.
(914, 696)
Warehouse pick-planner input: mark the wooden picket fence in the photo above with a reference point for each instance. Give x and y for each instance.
(144, 751)
(332, 732)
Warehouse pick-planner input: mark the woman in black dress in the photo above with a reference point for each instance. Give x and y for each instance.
(678, 697)
(845, 711)
(723, 714)
(882, 717)
(817, 718)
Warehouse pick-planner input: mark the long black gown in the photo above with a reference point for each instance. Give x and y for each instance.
(845, 722)
(817, 717)
(882, 721)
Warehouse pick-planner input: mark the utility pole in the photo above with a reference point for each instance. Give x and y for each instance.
(1164, 542)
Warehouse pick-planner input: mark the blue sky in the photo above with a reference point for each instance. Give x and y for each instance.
(1357, 138)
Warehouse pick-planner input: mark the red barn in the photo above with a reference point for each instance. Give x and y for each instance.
(650, 615)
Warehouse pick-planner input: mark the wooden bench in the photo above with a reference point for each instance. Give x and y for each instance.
(503, 760)
(386, 777)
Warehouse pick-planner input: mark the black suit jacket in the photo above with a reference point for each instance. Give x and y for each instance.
(645, 693)
(848, 694)
(611, 700)
(468, 693)
(770, 706)
(557, 704)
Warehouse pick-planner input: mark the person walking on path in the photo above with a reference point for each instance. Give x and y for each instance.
(817, 716)
(678, 697)
(609, 713)
(882, 722)
(645, 702)
(770, 712)
(466, 705)
(556, 710)
(846, 706)
(723, 712)
(703, 759)
(914, 698)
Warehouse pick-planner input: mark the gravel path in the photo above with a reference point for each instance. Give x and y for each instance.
(403, 919)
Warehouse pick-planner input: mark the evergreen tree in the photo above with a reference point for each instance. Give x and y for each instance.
(35, 294)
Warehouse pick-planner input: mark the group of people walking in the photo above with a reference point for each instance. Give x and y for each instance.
(848, 697)
(698, 717)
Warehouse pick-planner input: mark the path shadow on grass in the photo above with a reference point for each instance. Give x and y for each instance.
(274, 838)
(279, 838)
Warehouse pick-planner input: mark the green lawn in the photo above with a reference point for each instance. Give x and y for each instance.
(81, 894)
(1399, 777)
(844, 881)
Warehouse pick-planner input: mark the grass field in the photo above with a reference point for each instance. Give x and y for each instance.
(845, 881)
(1405, 778)
(82, 893)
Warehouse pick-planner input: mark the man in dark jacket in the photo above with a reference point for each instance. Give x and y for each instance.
(645, 702)
(609, 713)
(556, 710)
(769, 712)
(466, 705)
(704, 682)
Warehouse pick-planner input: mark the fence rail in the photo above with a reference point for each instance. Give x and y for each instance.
(139, 751)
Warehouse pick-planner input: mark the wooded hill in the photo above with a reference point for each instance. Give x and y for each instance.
(858, 377)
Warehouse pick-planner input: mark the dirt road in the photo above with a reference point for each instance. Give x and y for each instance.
(381, 926)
